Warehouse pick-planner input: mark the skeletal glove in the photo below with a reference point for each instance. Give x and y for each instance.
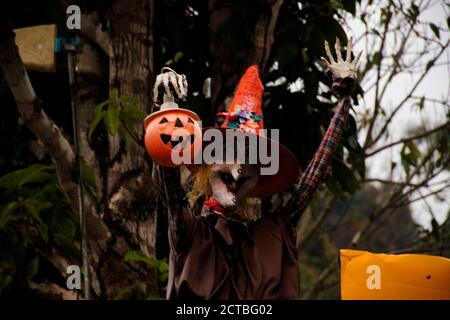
(344, 72)
(173, 84)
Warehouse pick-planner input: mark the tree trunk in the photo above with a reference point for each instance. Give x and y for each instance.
(248, 41)
(126, 199)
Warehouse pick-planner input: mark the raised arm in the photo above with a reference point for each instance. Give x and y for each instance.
(166, 181)
(343, 83)
(180, 219)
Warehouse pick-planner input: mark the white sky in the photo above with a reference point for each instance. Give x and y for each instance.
(436, 85)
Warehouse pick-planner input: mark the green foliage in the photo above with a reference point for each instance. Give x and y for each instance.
(435, 30)
(160, 266)
(413, 12)
(118, 114)
(410, 156)
(345, 177)
(34, 216)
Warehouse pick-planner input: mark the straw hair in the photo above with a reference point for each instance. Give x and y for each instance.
(247, 209)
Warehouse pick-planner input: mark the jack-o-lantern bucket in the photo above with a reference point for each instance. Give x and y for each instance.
(172, 131)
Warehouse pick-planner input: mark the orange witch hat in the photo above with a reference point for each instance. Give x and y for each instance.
(245, 111)
(245, 114)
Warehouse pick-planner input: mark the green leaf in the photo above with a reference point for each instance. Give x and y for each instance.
(421, 103)
(15, 179)
(112, 119)
(122, 133)
(113, 96)
(377, 58)
(375, 31)
(43, 231)
(134, 113)
(409, 156)
(435, 30)
(178, 56)
(88, 175)
(36, 176)
(98, 117)
(163, 267)
(305, 56)
(34, 213)
(5, 281)
(345, 177)
(139, 256)
(7, 214)
(413, 12)
(414, 151)
(130, 102)
(32, 268)
(99, 107)
(163, 277)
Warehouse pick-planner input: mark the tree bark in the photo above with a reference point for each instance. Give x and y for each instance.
(128, 200)
(231, 55)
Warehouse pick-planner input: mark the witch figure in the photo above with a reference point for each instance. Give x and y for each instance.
(221, 245)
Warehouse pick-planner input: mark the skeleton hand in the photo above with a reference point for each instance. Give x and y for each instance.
(341, 68)
(169, 78)
(344, 72)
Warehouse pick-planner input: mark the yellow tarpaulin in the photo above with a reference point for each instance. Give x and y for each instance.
(370, 276)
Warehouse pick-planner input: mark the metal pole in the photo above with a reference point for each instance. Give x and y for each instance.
(84, 245)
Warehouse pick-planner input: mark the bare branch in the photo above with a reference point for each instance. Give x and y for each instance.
(418, 136)
(378, 78)
(317, 223)
(322, 277)
(264, 34)
(408, 96)
(376, 213)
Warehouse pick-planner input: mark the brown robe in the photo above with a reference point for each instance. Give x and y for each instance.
(223, 258)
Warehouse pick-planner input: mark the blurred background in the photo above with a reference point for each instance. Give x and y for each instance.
(388, 189)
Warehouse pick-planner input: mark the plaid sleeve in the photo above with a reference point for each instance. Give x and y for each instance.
(181, 222)
(313, 175)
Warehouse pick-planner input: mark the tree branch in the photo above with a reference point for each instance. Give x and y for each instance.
(322, 277)
(418, 136)
(317, 223)
(48, 132)
(377, 101)
(405, 99)
(264, 35)
(376, 213)
(35, 118)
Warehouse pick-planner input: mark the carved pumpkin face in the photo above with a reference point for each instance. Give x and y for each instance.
(172, 131)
